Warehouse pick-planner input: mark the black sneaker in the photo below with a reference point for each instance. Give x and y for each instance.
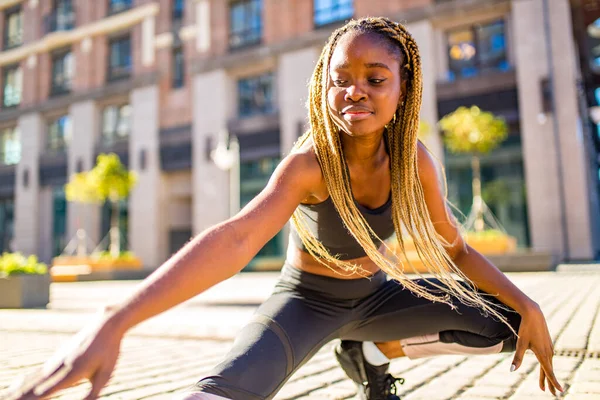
(373, 382)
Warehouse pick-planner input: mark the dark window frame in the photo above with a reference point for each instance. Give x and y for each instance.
(66, 87)
(114, 137)
(119, 72)
(62, 17)
(5, 71)
(17, 39)
(480, 67)
(253, 85)
(248, 34)
(60, 142)
(178, 71)
(118, 6)
(338, 7)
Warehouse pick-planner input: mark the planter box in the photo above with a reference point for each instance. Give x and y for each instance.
(25, 291)
(73, 268)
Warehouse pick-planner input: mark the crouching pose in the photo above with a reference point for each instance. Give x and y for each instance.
(357, 177)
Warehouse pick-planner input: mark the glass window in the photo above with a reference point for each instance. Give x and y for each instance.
(116, 123)
(10, 146)
(119, 58)
(178, 67)
(178, 9)
(254, 176)
(59, 133)
(255, 95)
(245, 23)
(59, 221)
(13, 86)
(62, 17)
(106, 213)
(329, 11)
(62, 72)
(13, 29)
(477, 49)
(116, 6)
(7, 208)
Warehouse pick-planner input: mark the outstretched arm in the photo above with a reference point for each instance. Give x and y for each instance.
(533, 332)
(211, 257)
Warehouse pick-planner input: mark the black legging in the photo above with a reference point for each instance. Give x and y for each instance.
(306, 311)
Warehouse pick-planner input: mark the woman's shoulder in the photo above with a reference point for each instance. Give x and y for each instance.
(303, 164)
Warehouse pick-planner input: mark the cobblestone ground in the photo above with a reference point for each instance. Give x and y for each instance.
(170, 352)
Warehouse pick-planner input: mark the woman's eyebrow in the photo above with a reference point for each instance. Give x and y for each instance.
(368, 65)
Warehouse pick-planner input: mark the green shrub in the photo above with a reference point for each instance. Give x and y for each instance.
(17, 263)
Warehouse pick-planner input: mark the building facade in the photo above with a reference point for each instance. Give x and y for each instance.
(163, 82)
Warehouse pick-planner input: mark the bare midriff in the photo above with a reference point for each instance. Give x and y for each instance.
(308, 263)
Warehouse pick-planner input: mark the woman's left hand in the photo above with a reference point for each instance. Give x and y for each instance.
(534, 335)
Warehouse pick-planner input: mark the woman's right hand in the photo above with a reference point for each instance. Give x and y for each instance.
(90, 355)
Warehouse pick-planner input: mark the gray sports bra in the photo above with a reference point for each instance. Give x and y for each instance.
(326, 225)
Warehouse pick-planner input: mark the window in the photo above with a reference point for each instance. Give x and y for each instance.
(10, 146)
(62, 72)
(59, 221)
(476, 50)
(255, 95)
(13, 85)
(245, 23)
(178, 8)
(329, 11)
(119, 66)
(116, 6)
(62, 17)
(59, 133)
(178, 67)
(254, 175)
(116, 124)
(13, 29)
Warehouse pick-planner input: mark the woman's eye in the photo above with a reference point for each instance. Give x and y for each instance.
(338, 82)
(376, 81)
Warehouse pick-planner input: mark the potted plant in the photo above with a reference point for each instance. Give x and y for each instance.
(108, 181)
(24, 282)
(476, 132)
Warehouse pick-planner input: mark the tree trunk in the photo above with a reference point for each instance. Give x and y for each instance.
(477, 200)
(115, 237)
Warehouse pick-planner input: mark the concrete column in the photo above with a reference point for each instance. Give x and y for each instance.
(81, 155)
(425, 37)
(537, 131)
(576, 184)
(293, 74)
(212, 101)
(27, 185)
(148, 236)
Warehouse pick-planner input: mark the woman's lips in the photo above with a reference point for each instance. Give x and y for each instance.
(356, 116)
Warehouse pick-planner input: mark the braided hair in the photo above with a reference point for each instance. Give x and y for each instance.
(409, 211)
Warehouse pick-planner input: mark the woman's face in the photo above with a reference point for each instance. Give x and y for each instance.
(364, 85)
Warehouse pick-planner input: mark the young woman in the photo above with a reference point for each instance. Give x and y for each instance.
(356, 178)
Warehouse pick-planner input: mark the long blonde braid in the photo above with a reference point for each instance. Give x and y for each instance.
(409, 211)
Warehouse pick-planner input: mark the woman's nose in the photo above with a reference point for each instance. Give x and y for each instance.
(355, 93)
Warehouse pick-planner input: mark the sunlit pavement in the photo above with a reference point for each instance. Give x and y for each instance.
(170, 352)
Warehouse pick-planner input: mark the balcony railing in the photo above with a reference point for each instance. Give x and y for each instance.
(119, 72)
(59, 21)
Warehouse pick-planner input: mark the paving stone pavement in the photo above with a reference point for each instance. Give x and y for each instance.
(170, 352)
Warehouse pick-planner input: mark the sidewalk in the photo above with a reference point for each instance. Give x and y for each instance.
(169, 352)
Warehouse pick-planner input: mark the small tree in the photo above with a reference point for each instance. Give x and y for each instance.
(470, 130)
(109, 181)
